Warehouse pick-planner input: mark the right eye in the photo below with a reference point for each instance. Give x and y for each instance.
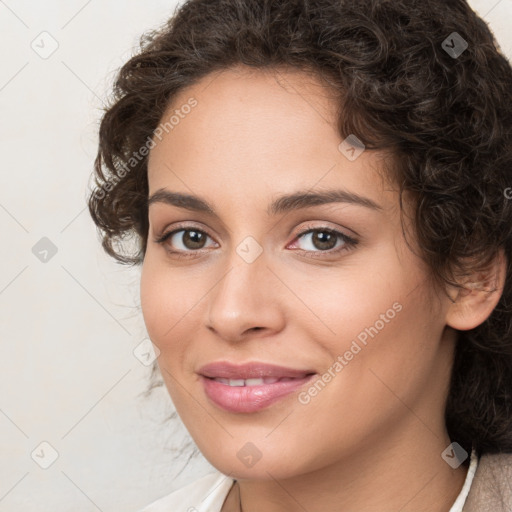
(189, 238)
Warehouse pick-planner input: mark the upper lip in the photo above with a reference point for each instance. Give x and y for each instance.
(252, 370)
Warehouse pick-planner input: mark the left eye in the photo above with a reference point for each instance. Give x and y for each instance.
(324, 240)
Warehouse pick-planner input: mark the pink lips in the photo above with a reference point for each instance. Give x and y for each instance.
(250, 398)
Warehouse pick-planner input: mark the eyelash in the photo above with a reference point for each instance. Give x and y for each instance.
(349, 242)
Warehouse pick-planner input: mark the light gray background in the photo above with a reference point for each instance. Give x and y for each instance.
(69, 326)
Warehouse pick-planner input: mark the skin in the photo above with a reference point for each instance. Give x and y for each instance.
(371, 439)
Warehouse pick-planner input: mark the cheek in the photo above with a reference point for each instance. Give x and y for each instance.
(161, 302)
(344, 301)
(170, 303)
(152, 300)
(376, 316)
(389, 347)
(373, 366)
(162, 307)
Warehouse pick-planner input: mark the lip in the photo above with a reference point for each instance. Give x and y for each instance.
(247, 399)
(252, 370)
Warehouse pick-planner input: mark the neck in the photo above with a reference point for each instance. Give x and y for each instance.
(406, 476)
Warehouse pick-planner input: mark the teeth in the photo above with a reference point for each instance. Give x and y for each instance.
(249, 382)
(254, 382)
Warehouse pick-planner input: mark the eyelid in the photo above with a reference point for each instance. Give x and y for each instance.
(323, 226)
(184, 225)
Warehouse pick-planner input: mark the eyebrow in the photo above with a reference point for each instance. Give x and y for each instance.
(283, 204)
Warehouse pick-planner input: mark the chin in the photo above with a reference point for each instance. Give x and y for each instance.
(248, 463)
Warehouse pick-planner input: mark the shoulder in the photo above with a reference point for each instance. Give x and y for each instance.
(491, 489)
(207, 494)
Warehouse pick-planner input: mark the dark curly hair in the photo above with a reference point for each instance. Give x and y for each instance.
(439, 102)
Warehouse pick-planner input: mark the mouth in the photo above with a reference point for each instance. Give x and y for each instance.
(252, 382)
(250, 387)
(251, 370)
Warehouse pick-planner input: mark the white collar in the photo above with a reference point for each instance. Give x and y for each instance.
(461, 498)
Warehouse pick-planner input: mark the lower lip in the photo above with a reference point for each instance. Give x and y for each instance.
(249, 398)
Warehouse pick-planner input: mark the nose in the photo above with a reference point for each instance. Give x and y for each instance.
(245, 301)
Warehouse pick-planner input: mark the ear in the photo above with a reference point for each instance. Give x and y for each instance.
(482, 291)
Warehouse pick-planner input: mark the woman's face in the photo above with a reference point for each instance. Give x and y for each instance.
(240, 282)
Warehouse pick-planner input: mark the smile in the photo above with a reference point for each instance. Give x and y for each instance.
(251, 382)
(250, 395)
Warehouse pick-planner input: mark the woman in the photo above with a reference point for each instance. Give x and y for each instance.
(318, 190)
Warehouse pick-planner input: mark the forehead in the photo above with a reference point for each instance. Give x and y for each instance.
(253, 130)
(266, 88)
(244, 107)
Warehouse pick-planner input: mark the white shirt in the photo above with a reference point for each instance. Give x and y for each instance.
(461, 498)
(207, 494)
